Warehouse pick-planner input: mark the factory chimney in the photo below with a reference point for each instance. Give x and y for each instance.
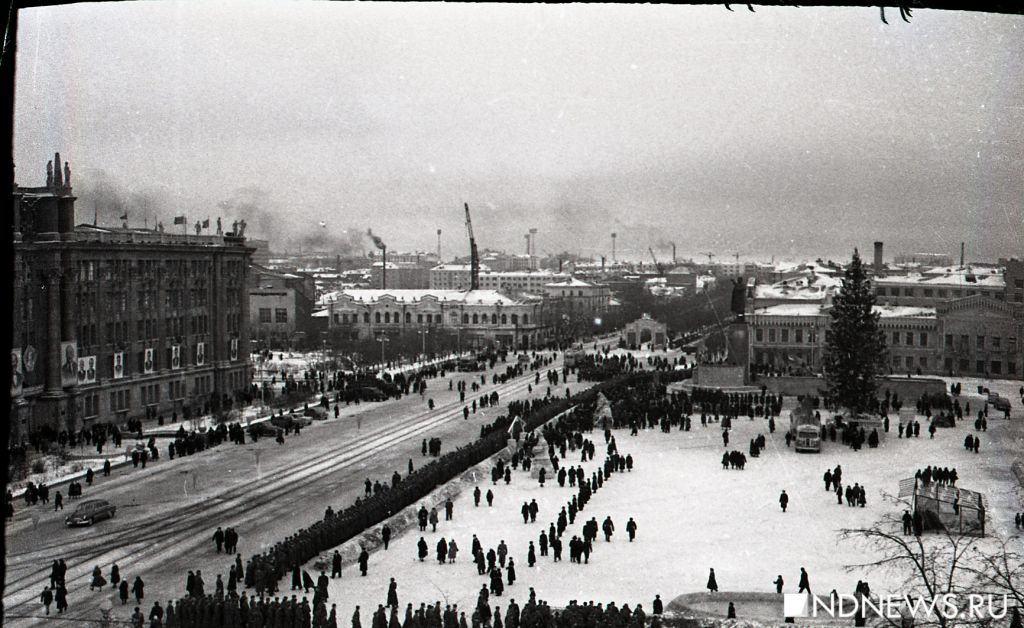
(878, 259)
(961, 255)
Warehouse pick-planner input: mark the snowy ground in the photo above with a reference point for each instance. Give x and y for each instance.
(692, 516)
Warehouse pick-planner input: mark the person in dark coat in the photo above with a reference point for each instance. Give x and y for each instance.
(336, 565)
(123, 592)
(115, 575)
(442, 551)
(531, 556)
(712, 583)
(783, 500)
(657, 607)
(778, 584)
(393, 594)
(805, 583)
(631, 529)
(218, 539)
(296, 577)
(364, 559)
(385, 535)
(138, 589)
(46, 597)
(476, 496)
(307, 582)
(421, 549)
(731, 613)
(97, 579)
(511, 571)
(355, 619)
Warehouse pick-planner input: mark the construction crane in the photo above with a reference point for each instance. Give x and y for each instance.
(711, 257)
(661, 269)
(474, 257)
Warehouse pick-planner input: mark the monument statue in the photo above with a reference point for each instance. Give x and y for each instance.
(241, 228)
(49, 174)
(220, 231)
(199, 227)
(234, 228)
(57, 183)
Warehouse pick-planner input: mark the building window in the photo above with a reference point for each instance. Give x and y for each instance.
(910, 339)
(881, 291)
(504, 319)
(465, 319)
(964, 340)
(895, 337)
(376, 317)
(799, 336)
(1011, 368)
(996, 341)
(957, 293)
(942, 293)
(515, 319)
(280, 315)
(366, 317)
(964, 365)
(997, 367)
(924, 339)
(265, 315)
(928, 292)
(949, 341)
(437, 319)
(759, 335)
(979, 367)
(922, 362)
(771, 334)
(526, 319)
(948, 364)
(1012, 344)
(908, 292)
(476, 319)
(494, 319)
(419, 318)
(910, 362)
(981, 342)
(785, 335)
(408, 317)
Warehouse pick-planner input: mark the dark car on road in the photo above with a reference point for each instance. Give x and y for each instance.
(89, 512)
(290, 421)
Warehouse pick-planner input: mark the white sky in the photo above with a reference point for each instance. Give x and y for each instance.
(777, 132)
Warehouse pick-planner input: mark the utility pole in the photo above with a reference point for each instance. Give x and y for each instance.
(533, 241)
(438, 246)
(613, 248)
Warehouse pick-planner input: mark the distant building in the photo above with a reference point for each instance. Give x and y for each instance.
(521, 282)
(931, 287)
(400, 276)
(476, 318)
(114, 323)
(261, 254)
(452, 276)
(681, 277)
(923, 259)
(1013, 278)
(280, 308)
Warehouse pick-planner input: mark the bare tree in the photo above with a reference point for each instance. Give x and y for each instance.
(1000, 572)
(932, 565)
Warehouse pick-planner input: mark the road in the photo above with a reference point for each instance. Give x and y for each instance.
(266, 491)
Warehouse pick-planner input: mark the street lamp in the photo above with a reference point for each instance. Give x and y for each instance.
(382, 339)
(423, 338)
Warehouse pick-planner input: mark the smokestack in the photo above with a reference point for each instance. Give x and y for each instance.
(878, 259)
(602, 263)
(383, 268)
(560, 260)
(673, 252)
(961, 255)
(438, 246)
(613, 248)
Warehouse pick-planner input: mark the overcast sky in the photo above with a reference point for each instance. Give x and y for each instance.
(781, 132)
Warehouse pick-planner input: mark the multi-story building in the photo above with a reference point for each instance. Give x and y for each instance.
(478, 317)
(280, 307)
(932, 287)
(115, 323)
(453, 276)
(923, 259)
(399, 276)
(520, 282)
(970, 336)
(1013, 277)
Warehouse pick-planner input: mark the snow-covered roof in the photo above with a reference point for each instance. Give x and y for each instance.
(458, 267)
(816, 309)
(570, 283)
(956, 276)
(470, 297)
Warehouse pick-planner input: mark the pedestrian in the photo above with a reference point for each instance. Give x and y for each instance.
(712, 583)
(421, 548)
(115, 575)
(393, 594)
(218, 539)
(138, 589)
(137, 618)
(476, 496)
(336, 565)
(97, 579)
(449, 506)
(433, 519)
(58, 502)
(731, 613)
(364, 559)
(783, 500)
(490, 498)
(385, 535)
(805, 583)
(511, 571)
(123, 592)
(531, 556)
(453, 549)
(46, 598)
(778, 584)
(631, 529)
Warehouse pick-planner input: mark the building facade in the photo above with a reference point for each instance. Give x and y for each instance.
(520, 282)
(110, 324)
(476, 318)
(935, 286)
(399, 276)
(280, 308)
(453, 276)
(975, 336)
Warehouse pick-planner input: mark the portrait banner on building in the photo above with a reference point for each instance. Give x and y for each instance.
(234, 349)
(147, 361)
(200, 353)
(176, 357)
(29, 359)
(119, 365)
(17, 375)
(87, 370)
(68, 364)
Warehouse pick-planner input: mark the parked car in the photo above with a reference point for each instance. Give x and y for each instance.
(289, 421)
(1001, 403)
(263, 430)
(89, 512)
